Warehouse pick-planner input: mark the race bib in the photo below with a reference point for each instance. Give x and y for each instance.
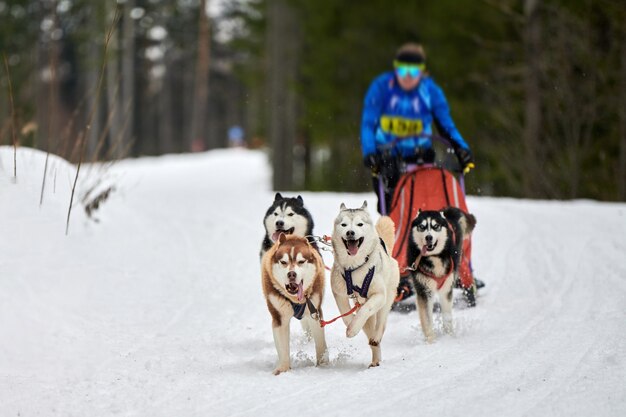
(401, 127)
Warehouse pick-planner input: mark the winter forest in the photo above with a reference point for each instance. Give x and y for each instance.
(537, 87)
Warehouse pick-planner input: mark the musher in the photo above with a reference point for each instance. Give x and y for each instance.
(405, 104)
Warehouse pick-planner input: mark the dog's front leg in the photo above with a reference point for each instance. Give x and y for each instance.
(371, 306)
(321, 350)
(381, 322)
(369, 328)
(281, 340)
(425, 301)
(425, 308)
(445, 299)
(343, 305)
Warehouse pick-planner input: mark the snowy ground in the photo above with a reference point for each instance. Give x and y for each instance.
(157, 309)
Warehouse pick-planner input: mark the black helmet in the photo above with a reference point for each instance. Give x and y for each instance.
(411, 53)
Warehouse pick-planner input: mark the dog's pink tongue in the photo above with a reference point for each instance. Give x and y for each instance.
(275, 236)
(353, 247)
(300, 292)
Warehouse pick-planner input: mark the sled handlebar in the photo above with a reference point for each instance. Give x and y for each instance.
(388, 147)
(393, 143)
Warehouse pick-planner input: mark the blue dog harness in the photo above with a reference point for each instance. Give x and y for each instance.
(366, 282)
(298, 309)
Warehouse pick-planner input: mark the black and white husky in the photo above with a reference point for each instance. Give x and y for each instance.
(289, 216)
(435, 251)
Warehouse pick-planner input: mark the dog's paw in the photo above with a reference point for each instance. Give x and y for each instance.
(430, 339)
(374, 364)
(280, 369)
(323, 360)
(352, 330)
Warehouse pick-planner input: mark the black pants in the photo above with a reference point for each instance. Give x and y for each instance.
(392, 169)
(387, 191)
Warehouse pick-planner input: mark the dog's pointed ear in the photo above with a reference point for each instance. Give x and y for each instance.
(342, 207)
(364, 206)
(300, 200)
(419, 211)
(281, 238)
(277, 197)
(442, 214)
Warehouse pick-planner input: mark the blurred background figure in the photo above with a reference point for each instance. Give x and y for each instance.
(235, 137)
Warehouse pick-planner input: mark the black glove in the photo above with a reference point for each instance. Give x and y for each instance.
(372, 161)
(466, 159)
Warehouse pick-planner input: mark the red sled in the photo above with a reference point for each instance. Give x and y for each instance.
(427, 188)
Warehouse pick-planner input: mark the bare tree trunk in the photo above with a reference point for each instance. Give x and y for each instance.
(532, 87)
(128, 79)
(282, 72)
(166, 109)
(114, 99)
(93, 133)
(254, 114)
(48, 104)
(621, 177)
(201, 85)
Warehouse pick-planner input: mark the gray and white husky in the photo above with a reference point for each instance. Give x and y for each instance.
(365, 272)
(286, 215)
(435, 250)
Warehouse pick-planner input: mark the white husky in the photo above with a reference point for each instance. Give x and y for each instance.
(364, 271)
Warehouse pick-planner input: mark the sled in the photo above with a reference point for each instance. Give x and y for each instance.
(425, 187)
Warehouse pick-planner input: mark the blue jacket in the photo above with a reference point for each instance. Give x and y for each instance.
(389, 112)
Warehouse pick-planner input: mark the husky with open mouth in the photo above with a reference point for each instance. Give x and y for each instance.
(365, 272)
(288, 216)
(435, 249)
(292, 274)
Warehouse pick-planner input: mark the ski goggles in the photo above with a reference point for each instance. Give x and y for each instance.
(404, 70)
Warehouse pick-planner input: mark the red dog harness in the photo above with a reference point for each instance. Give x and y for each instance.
(440, 280)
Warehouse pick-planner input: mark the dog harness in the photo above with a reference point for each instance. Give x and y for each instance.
(366, 282)
(347, 276)
(298, 309)
(440, 280)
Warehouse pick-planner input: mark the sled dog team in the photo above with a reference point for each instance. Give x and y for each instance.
(363, 271)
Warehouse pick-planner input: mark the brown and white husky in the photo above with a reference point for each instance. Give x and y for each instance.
(292, 273)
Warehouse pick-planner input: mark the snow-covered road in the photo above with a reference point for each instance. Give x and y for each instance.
(157, 309)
